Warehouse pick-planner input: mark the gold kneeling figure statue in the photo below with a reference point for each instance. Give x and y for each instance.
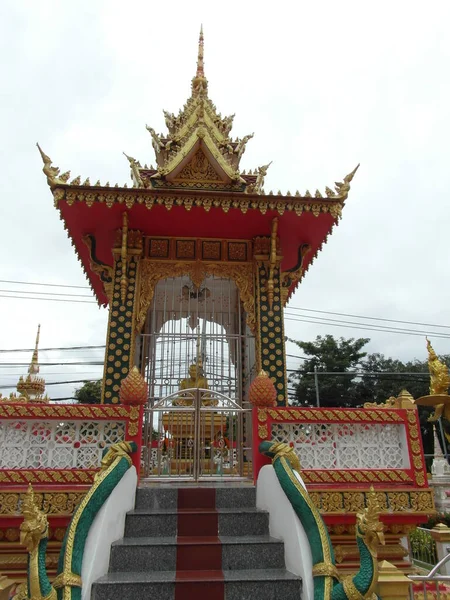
(196, 380)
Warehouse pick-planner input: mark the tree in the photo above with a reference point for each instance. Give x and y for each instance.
(328, 355)
(89, 393)
(385, 377)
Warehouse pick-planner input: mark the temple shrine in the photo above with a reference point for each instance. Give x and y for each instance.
(195, 261)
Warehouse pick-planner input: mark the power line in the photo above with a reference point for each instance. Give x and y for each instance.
(367, 328)
(51, 349)
(53, 364)
(47, 293)
(328, 312)
(49, 299)
(80, 287)
(4, 387)
(380, 327)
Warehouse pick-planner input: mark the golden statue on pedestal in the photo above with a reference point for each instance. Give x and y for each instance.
(196, 379)
(439, 384)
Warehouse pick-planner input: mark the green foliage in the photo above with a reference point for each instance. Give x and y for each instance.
(89, 393)
(328, 355)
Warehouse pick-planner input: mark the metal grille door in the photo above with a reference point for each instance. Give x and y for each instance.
(202, 439)
(196, 354)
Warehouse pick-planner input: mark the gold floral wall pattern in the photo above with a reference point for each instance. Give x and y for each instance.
(154, 271)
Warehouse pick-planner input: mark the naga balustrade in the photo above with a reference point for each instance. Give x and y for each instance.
(342, 453)
(58, 449)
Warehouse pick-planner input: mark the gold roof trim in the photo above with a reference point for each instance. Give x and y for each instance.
(225, 201)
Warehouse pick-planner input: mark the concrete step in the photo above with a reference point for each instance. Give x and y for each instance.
(166, 496)
(164, 522)
(160, 553)
(245, 584)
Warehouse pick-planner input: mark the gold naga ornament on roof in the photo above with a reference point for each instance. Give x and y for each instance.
(439, 384)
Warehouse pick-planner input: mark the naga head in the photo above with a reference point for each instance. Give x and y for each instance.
(35, 523)
(368, 524)
(275, 450)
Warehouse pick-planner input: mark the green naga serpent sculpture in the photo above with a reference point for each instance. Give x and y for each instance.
(369, 533)
(34, 532)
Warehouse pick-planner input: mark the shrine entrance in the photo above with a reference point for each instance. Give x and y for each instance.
(197, 355)
(202, 439)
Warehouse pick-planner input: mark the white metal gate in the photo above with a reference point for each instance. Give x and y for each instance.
(196, 434)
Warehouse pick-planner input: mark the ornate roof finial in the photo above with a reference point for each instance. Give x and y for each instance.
(200, 64)
(32, 386)
(199, 82)
(34, 365)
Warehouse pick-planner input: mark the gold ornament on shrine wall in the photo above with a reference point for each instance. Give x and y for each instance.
(154, 271)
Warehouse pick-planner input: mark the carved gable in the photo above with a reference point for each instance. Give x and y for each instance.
(199, 169)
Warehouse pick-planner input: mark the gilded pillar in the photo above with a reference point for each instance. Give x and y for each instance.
(121, 334)
(271, 354)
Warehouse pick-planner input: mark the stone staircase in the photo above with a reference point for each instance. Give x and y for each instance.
(197, 543)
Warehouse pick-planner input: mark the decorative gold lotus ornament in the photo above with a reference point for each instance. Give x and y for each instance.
(262, 391)
(134, 389)
(439, 384)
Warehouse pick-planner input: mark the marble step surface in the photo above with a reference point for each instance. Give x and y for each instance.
(263, 584)
(166, 496)
(160, 553)
(164, 522)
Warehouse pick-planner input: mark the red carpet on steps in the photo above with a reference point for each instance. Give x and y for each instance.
(199, 551)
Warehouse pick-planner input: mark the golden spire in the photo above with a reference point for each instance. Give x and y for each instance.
(33, 369)
(200, 64)
(32, 386)
(199, 82)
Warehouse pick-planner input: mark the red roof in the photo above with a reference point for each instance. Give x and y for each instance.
(102, 222)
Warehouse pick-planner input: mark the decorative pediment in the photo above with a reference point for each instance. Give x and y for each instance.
(198, 170)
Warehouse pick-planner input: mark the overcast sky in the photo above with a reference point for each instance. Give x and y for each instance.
(324, 85)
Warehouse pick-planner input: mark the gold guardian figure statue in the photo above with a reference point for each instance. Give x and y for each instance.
(439, 384)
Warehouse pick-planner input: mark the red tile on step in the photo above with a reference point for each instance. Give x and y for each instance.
(198, 539)
(198, 556)
(198, 523)
(196, 498)
(199, 576)
(200, 590)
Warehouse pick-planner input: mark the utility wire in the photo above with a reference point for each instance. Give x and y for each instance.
(289, 308)
(51, 349)
(53, 364)
(389, 328)
(47, 293)
(328, 312)
(48, 299)
(80, 287)
(47, 383)
(367, 328)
